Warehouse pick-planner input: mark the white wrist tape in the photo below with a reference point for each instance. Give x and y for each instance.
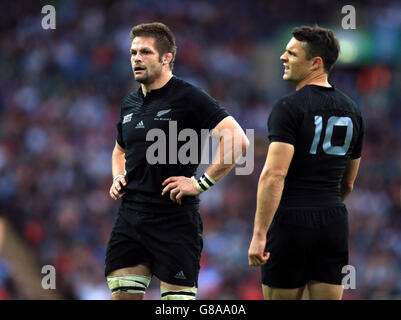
(116, 177)
(204, 182)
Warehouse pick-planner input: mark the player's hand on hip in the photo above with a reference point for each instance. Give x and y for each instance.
(256, 253)
(116, 189)
(179, 187)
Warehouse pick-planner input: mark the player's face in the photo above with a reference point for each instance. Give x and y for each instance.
(145, 60)
(296, 65)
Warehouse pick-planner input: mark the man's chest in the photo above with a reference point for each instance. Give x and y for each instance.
(141, 122)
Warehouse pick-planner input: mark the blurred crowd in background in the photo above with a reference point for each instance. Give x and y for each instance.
(60, 93)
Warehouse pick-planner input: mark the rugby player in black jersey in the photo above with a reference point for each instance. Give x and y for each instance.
(158, 229)
(300, 235)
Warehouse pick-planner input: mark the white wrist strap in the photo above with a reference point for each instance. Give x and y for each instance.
(116, 177)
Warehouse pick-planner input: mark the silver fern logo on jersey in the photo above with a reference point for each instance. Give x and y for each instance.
(162, 113)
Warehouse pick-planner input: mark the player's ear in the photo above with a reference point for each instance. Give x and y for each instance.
(317, 62)
(167, 57)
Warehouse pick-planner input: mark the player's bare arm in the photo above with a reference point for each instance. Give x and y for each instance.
(118, 171)
(270, 188)
(233, 142)
(350, 173)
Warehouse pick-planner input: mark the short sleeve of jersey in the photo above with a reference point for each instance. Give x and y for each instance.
(207, 109)
(357, 152)
(119, 137)
(282, 123)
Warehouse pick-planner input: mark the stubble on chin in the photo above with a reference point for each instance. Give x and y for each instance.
(142, 79)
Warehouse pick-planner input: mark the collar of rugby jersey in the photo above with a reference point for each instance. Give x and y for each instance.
(157, 92)
(321, 87)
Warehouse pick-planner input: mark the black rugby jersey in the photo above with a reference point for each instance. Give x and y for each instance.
(176, 106)
(326, 128)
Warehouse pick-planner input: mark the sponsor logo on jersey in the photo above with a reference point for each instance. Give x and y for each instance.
(140, 125)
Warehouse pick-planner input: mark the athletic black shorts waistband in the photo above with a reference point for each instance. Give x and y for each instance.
(157, 208)
(314, 217)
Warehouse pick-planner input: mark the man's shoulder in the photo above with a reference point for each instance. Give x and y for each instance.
(349, 101)
(290, 101)
(290, 97)
(131, 99)
(186, 87)
(300, 96)
(311, 94)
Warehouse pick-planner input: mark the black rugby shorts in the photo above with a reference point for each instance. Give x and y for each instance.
(170, 243)
(306, 244)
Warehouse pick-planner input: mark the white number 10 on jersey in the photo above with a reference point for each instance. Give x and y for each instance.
(331, 122)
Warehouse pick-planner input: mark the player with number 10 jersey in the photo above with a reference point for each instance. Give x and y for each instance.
(316, 138)
(325, 127)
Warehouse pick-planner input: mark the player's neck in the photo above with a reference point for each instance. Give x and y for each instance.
(315, 79)
(158, 83)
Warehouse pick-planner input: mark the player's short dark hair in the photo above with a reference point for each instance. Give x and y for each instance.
(165, 41)
(320, 42)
